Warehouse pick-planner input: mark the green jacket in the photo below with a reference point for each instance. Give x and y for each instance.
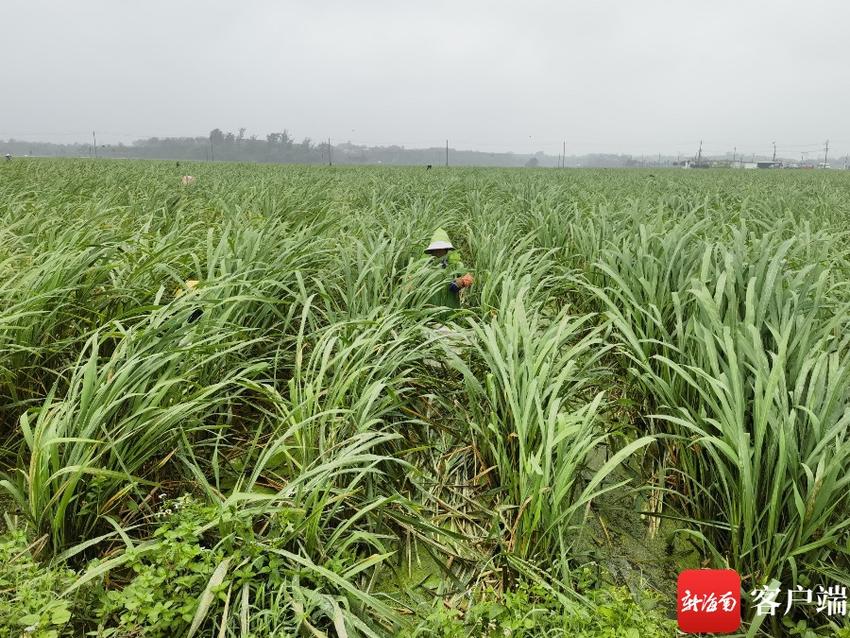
(448, 295)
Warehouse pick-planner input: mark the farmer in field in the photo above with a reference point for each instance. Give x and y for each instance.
(189, 287)
(447, 296)
(445, 256)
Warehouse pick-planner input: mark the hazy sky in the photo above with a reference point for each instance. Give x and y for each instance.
(636, 76)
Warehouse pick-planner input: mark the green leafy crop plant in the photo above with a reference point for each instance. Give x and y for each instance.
(241, 383)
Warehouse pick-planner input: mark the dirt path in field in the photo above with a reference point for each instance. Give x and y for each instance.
(619, 541)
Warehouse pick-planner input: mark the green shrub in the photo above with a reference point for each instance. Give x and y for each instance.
(531, 611)
(30, 602)
(162, 595)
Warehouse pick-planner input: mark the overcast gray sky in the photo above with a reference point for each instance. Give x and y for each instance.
(635, 77)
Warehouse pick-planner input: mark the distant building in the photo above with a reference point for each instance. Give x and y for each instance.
(690, 163)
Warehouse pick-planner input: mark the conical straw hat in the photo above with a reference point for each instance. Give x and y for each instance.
(439, 241)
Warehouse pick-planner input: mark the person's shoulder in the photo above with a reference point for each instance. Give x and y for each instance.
(455, 261)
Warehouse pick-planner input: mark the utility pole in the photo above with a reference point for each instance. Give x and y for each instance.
(447, 153)
(212, 152)
(825, 153)
(734, 154)
(94, 144)
(330, 157)
(774, 152)
(699, 154)
(564, 155)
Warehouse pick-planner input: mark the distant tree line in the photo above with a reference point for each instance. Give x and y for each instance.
(283, 148)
